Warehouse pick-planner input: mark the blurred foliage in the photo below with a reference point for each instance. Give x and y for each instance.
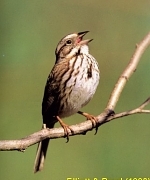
(30, 31)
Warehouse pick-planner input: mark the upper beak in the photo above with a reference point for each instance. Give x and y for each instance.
(80, 36)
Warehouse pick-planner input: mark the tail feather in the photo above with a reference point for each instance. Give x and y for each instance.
(41, 153)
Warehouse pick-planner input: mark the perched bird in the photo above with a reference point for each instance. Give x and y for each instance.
(70, 85)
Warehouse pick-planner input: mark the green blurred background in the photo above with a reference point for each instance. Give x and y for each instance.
(30, 31)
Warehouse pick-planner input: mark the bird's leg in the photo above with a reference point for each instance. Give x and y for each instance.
(65, 127)
(92, 118)
(43, 126)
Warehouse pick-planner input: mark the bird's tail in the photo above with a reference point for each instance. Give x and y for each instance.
(41, 154)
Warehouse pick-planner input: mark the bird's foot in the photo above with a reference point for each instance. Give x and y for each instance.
(66, 128)
(92, 118)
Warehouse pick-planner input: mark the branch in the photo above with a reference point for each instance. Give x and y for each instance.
(129, 70)
(55, 133)
(103, 118)
(140, 109)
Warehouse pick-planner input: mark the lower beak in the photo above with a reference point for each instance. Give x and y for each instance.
(85, 41)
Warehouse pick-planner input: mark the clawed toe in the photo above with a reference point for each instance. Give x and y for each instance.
(66, 131)
(92, 118)
(66, 128)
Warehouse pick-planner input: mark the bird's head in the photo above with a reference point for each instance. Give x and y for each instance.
(71, 45)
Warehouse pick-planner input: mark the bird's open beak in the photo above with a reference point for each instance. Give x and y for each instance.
(80, 37)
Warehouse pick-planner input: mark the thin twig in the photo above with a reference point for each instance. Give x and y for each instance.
(129, 70)
(131, 112)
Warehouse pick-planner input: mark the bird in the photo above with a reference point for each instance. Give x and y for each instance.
(70, 85)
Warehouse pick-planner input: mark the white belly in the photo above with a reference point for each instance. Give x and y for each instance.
(82, 85)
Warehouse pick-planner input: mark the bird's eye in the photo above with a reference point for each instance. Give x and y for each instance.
(68, 42)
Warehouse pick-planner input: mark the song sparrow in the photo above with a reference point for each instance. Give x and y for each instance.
(70, 85)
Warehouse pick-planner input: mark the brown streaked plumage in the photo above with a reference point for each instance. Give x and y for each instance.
(71, 84)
